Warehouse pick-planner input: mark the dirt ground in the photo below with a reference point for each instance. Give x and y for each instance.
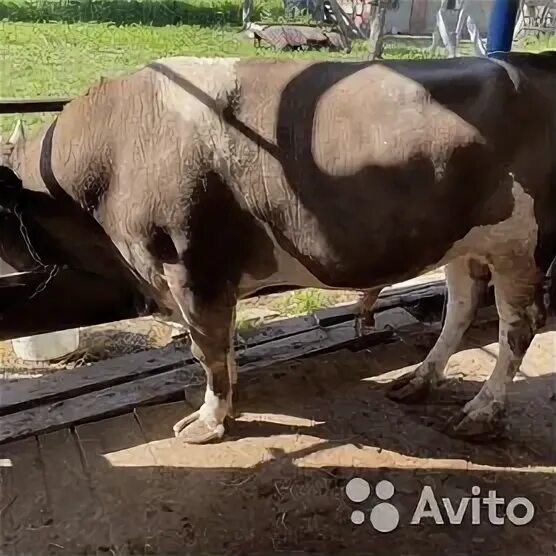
(277, 483)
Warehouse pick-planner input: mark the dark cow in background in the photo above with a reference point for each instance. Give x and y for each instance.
(218, 178)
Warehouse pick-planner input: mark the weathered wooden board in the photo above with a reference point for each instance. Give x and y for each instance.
(105, 447)
(171, 384)
(69, 486)
(102, 403)
(282, 328)
(8, 496)
(392, 297)
(24, 394)
(189, 380)
(27, 510)
(117, 386)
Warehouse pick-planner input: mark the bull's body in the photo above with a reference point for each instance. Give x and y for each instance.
(217, 179)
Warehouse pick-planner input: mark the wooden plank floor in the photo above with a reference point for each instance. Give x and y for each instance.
(125, 486)
(29, 514)
(78, 517)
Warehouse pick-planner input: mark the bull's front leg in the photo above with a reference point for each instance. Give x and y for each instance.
(217, 359)
(211, 325)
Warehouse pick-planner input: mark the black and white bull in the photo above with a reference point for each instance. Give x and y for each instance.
(218, 178)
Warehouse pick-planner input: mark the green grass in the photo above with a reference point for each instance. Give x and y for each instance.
(534, 44)
(292, 304)
(304, 302)
(63, 59)
(125, 12)
(59, 59)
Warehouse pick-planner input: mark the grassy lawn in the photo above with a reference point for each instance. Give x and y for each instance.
(59, 59)
(142, 12)
(64, 59)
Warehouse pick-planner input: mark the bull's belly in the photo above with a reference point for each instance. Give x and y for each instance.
(290, 273)
(514, 238)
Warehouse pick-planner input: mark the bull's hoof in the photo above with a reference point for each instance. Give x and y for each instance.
(479, 425)
(199, 432)
(204, 425)
(410, 388)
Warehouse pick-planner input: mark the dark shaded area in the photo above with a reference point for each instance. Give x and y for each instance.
(70, 299)
(19, 106)
(121, 12)
(169, 496)
(9, 183)
(70, 283)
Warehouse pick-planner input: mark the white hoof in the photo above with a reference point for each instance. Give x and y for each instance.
(205, 424)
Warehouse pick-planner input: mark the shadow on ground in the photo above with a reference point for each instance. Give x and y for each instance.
(124, 486)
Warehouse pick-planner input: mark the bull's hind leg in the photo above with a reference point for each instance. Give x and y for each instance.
(211, 326)
(519, 301)
(364, 312)
(466, 280)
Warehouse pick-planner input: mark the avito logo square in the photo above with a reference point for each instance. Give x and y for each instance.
(382, 510)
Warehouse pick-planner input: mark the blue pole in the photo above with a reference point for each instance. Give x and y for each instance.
(501, 27)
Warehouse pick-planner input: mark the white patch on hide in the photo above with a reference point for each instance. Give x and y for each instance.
(514, 237)
(211, 78)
